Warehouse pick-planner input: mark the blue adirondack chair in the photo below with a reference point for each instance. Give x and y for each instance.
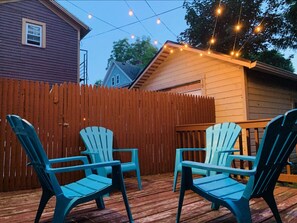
(99, 147)
(220, 139)
(92, 187)
(279, 139)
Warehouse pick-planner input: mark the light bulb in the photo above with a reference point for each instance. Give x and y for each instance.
(201, 54)
(165, 46)
(208, 52)
(258, 29)
(90, 16)
(237, 54)
(237, 27)
(156, 42)
(130, 12)
(232, 53)
(158, 21)
(132, 36)
(171, 51)
(186, 45)
(219, 11)
(212, 40)
(181, 49)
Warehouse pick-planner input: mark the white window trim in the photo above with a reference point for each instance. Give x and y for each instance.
(25, 23)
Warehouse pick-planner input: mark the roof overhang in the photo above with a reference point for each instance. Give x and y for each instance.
(170, 46)
(62, 13)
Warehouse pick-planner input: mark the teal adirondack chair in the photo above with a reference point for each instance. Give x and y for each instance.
(99, 147)
(92, 187)
(220, 139)
(279, 139)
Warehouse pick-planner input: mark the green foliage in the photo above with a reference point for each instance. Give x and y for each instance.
(273, 57)
(138, 53)
(277, 16)
(98, 83)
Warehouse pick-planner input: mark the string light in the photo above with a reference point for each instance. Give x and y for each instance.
(158, 21)
(208, 52)
(132, 36)
(186, 45)
(90, 16)
(232, 53)
(165, 46)
(171, 51)
(201, 54)
(156, 42)
(181, 49)
(258, 29)
(130, 12)
(219, 11)
(212, 40)
(237, 27)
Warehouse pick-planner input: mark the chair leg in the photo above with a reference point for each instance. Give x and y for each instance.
(100, 203)
(62, 208)
(46, 195)
(269, 198)
(175, 179)
(180, 202)
(138, 178)
(215, 206)
(241, 210)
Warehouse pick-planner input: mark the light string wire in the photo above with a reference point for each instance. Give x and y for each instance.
(143, 26)
(161, 21)
(238, 27)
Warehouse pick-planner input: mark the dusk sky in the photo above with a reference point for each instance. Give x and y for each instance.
(109, 15)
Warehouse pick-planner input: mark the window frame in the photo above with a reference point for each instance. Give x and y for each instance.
(112, 81)
(118, 79)
(25, 28)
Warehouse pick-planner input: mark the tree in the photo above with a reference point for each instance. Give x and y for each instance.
(138, 53)
(273, 57)
(270, 14)
(98, 83)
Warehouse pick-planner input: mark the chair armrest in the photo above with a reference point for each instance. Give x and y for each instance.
(210, 167)
(125, 150)
(84, 159)
(190, 149)
(229, 151)
(81, 167)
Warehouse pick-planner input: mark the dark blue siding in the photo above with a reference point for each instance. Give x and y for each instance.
(57, 63)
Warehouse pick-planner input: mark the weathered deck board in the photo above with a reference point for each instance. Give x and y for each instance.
(155, 203)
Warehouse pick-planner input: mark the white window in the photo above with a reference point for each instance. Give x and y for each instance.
(33, 33)
(112, 81)
(118, 79)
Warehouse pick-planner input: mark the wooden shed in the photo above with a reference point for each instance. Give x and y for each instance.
(243, 90)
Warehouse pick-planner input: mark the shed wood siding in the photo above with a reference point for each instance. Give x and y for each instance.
(221, 80)
(56, 63)
(269, 96)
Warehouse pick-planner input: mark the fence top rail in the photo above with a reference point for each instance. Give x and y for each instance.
(260, 123)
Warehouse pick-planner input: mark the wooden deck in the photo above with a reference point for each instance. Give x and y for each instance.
(155, 203)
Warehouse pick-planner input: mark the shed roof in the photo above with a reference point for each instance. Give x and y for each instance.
(166, 49)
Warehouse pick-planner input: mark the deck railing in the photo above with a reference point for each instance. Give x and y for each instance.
(193, 135)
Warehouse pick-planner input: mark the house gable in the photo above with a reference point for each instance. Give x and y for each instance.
(57, 62)
(186, 71)
(114, 73)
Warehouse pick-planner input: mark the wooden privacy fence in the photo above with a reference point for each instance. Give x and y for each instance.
(139, 119)
(193, 135)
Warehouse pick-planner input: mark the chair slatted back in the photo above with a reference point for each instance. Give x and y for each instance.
(278, 142)
(30, 142)
(98, 140)
(220, 137)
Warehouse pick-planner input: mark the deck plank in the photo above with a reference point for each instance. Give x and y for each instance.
(155, 203)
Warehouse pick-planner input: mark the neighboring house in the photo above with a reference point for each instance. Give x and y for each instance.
(120, 74)
(243, 90)
(39, 40)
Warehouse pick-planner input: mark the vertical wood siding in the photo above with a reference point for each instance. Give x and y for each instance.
(221, 80)
(56, 63)
(139, 119)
